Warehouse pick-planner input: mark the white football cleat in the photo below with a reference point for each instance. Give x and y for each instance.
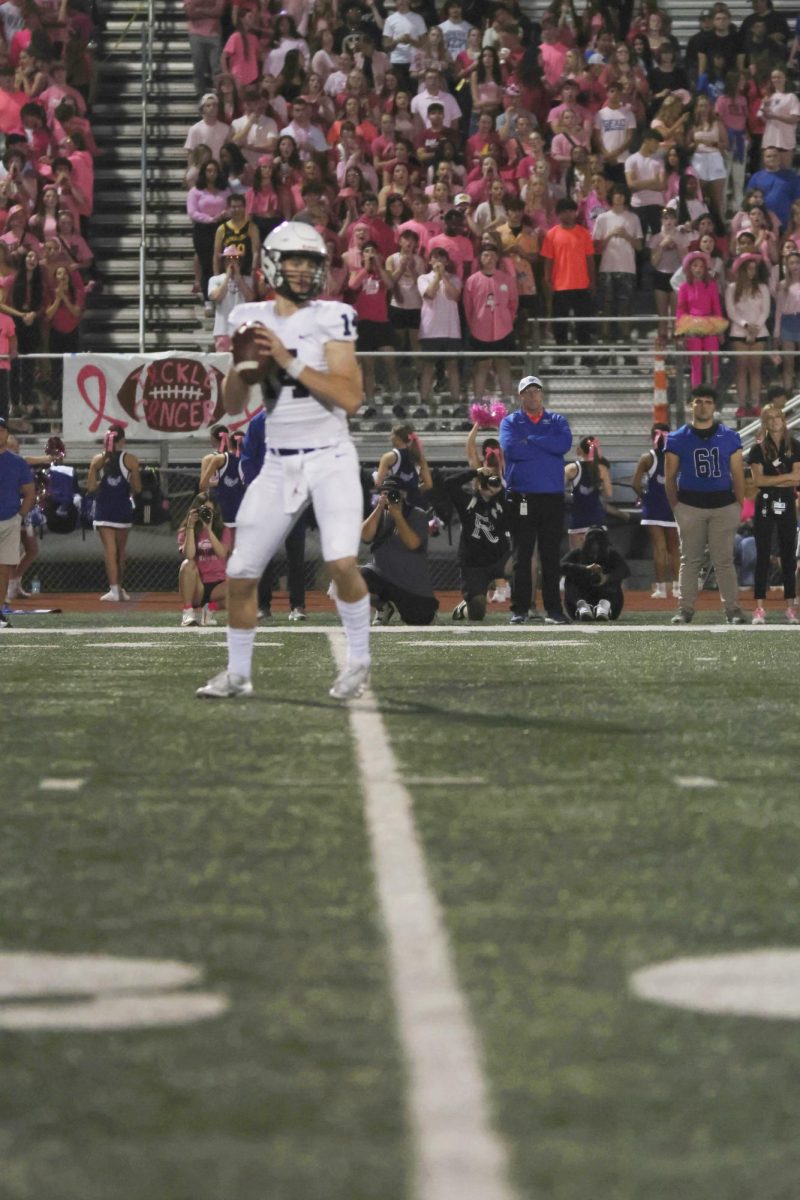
(189, 617)
(207, 616)
(297, 614)
(351, 683)
(225, 685)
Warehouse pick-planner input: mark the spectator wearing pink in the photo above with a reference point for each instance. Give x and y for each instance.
(284, 40)
(420, 224)
(209, 130)
(432, 93)
(40, 143)
(206, 205)
(370, 286)
(569, 100)
(552, 53)
(565, 142)
(440, 324)
(380, 233)
(787, 315)
(698, 297)
(480, 180)
(11, 101)
(17, 238)
(204, 18)
(241, 53)
(490, 309)
(57, 90)
(68, 121)
(485, 141)
(453, 241)
(82, 173)
(747, 304)
(731, 108)
(261, 200)
(645, 179)
(780, 111)
(75, 246)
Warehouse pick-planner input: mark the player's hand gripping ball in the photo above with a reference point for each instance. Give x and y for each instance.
(251, 355)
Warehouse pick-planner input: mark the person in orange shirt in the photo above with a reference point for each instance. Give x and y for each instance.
(569, 272)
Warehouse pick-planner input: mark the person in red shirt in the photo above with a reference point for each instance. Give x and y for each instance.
(490, 307)
(569, 272)
(8, 350)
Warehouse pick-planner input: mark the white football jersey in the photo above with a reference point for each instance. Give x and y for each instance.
(298, 420)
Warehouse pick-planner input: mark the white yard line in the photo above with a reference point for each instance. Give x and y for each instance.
(457, 1154)
(438, 631)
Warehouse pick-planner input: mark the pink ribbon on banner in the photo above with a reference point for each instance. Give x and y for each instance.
(245, 418)
(85, 375)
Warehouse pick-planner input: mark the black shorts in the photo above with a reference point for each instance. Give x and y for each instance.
(441, 345)
(374, 335)
(661, 281)
(506, 343)
(529, 304)
(404, 318)
(208, 589)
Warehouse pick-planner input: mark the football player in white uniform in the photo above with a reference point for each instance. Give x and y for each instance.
(302, 353)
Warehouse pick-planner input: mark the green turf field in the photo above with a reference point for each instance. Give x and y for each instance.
(589, 802)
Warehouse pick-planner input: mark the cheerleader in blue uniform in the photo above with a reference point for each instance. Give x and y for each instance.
(221, 474)
(589, 479)
(657, 516)
(114, 481)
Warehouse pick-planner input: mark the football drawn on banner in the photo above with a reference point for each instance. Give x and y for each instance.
(153, 397)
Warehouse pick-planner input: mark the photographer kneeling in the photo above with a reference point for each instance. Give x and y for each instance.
(397, 574)
(484, 547)
(593, 576)
(205, 541)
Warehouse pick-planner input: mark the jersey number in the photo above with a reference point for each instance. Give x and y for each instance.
(350, 324)
(706, 463)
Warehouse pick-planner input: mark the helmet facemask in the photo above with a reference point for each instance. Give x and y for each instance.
(273, 261)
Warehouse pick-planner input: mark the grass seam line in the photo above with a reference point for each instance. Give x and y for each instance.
(457, 1155)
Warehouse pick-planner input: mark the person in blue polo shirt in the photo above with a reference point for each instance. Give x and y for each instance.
(534, 442)
(17, 495)
(704, 482)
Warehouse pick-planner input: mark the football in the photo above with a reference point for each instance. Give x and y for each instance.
(250, 360)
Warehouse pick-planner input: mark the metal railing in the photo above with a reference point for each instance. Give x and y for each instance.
(147, 78)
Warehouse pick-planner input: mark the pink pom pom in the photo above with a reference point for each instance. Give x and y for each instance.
(482, 416)
(498, 411)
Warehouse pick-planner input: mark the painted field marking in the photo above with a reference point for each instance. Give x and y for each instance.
(158, 645)
(756, 983)
(104, 992)
(612, 629)
(444, 780)
(696, 781)
(457, 1154)
(61, 785)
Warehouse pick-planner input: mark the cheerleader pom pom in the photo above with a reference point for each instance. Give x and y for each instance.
(498, 411)
(481, 415)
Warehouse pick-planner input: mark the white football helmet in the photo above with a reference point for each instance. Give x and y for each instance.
(294, 238)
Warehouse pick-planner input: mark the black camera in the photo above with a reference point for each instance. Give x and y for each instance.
(393, 495)
(206, 514)
(493, 481)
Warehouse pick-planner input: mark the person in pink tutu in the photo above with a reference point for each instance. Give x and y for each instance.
(699, 317)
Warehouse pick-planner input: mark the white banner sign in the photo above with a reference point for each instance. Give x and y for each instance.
(154, 397)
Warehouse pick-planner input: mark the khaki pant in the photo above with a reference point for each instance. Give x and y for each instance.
(9, 543)
(715, 528)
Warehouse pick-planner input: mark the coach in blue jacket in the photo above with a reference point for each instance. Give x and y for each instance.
(534, 442)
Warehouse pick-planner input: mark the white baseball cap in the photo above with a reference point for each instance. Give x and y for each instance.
(529, 381)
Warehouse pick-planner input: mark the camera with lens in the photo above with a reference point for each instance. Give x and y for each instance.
(493, 481)
(205, 514)
(393, 495)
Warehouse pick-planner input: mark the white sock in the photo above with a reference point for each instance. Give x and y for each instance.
(660, 590)
(114, 589)
(240, 651)
(355, 619)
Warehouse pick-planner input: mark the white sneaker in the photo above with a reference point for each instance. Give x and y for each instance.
(189, 617)
(659, 592)
(297, 614)
(759, 616)
(123, 595)
(676, 590)
(207, 616)
(224, 685)
(351, 682)
(113, 594)
(384, 614)
(459, 613)
(602, 611)
(583, 611)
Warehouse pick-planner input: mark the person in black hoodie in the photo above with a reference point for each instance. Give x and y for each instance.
(593, 576)
(484, 546)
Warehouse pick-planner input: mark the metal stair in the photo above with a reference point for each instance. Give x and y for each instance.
(172, 315)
